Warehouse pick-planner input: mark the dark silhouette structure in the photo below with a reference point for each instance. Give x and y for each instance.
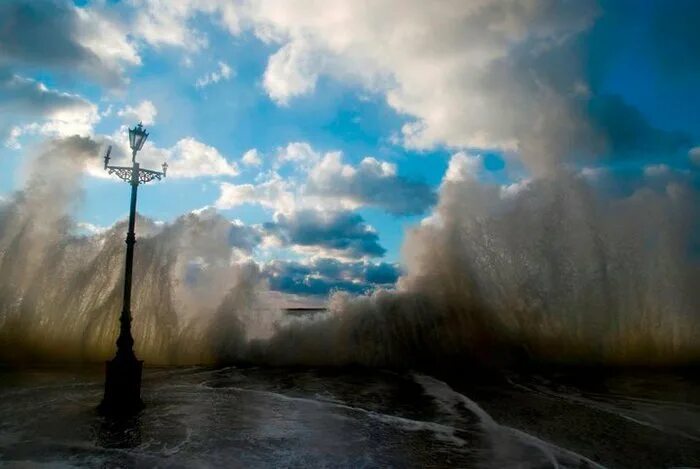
(123, 372)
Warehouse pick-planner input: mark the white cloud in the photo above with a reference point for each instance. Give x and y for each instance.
(224, 72)
(326, 183)
(87, 41)
(144, 112)
(275, 193)
(251, 158)
(166, 22)
(47, 111)
(188, 158)
(290, 72)
(371, 183)
(463, 167)
(191, 158)
(66, 123)
(60, 124)
(328, 233)
(471, 73)
(106, 38)
(298, 153)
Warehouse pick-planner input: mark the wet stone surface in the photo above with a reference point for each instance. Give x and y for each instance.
(259, 417)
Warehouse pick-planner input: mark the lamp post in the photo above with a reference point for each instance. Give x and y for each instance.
(123, 372)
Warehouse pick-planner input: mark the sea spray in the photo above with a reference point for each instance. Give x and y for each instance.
(553, 270)
(558, 272)
(60, 294)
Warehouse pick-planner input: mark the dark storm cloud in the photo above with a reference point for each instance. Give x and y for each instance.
(46, 34)
(324, 275)
(343, 232)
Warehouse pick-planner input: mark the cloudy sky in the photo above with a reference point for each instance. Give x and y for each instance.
(325, 130)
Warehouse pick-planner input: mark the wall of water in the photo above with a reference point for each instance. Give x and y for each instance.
(557, 271)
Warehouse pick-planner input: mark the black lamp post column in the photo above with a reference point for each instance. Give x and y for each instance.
(123, 372)
(125, 342)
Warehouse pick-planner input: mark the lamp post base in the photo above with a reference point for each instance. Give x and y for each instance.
(122, 386)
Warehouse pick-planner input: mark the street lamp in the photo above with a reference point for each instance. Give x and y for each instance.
(137, 137)
(123, 372)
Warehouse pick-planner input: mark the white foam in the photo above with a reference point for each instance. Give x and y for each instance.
(639, 418)
(445, 433)
(449, 399)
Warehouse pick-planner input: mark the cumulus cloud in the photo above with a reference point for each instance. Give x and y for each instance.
(188, 158)
(331, 184)
(165, 23)
(50, 112)
(371, 183)
(343, 234)
(58, 35)
(472, 74)
(298, 153)
(290, 72)
(244, 237)
(484, 74)
(191, 158)
(251, 158)
(321, 276)
(144, 112)
(223, 72)
(25, 95)
(275, 193)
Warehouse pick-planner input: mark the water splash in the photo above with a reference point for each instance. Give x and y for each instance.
(555, 272)
(61, 293)
(558, 272)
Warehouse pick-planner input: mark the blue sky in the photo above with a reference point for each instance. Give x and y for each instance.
(298, 82)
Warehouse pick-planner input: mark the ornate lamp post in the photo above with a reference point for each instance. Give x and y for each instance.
(123, 372)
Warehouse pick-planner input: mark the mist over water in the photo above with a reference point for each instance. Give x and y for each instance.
(555, 271)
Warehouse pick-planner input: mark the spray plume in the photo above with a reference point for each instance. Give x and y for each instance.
(556, 271)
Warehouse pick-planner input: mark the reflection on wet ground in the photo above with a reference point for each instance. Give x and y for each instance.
(258, 417)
